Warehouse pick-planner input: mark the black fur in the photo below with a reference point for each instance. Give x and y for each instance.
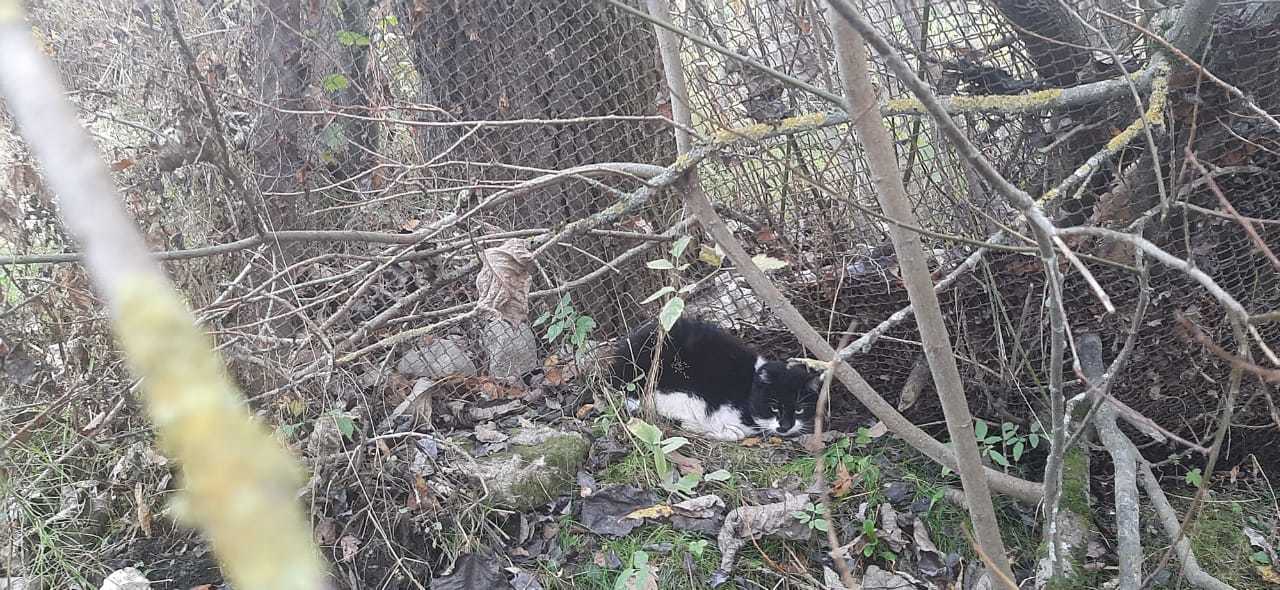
(701, 359)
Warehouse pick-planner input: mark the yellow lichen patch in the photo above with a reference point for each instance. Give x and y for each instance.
(239, 485)
(1005, 103)
(754, 132)
(810, 120)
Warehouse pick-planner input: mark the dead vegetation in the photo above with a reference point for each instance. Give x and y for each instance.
(410, 231)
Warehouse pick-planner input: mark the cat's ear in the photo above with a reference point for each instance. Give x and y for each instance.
(762, 374)
(815, 384)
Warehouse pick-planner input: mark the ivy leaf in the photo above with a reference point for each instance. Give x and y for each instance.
(657, 294)
(677, 249)
(671, 312)
(335, 83)
(660, 264)
(352, 38)
(767, 264)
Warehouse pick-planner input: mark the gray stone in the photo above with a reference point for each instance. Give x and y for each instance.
(512, 349)
(538, 467)
(126, 579)
(438, 358)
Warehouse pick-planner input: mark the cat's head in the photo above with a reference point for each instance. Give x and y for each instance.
(783, 399)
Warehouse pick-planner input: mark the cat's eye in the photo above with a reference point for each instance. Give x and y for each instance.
(799, 411)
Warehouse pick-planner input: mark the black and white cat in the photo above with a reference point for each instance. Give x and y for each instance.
(713, 384)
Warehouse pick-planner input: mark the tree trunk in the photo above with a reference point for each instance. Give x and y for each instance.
(490, 60)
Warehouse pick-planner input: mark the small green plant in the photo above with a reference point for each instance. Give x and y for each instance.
(1194, 477)
(565, 325)
(874, 547)
(674, 305)
(637, 573)
(1008, 442)
(811, 515)
(658, 448)
(696, 548)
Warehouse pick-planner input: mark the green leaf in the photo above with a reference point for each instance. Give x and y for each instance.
(335, 83)
(352, 38)
(657, 294)
(674, 443)
(718, 475)
(646, 432)
(671, 312)
(581, 328)
(1261, 557)
(980, 429)
(767, 264)
(998, 458)
(710, 255)
(554, 331)
(889, 556)
(346, 426)
(390, 20)
(333, 136)
(660, 264)
(546, 315)
(868, 550)
(821, 524)
(687, 483)
(564, 307)
(868, 526)
(1008, 428)
(1194, 477)
(1018, 447)
(991, 440)
(697, 547)
(801, 515)
(1035, 440)
(677, 249)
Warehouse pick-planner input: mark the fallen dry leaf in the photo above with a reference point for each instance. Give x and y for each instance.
(326, 531)
(754, 522)
(350, 546)
(685, 463)
(584, 411)
(504, 280)
(144, 510)
(843, 483)
(655, 511)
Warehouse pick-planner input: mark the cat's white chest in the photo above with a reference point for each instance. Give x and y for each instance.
(723, 423)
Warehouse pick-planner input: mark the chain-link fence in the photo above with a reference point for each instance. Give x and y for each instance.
(424, 146)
